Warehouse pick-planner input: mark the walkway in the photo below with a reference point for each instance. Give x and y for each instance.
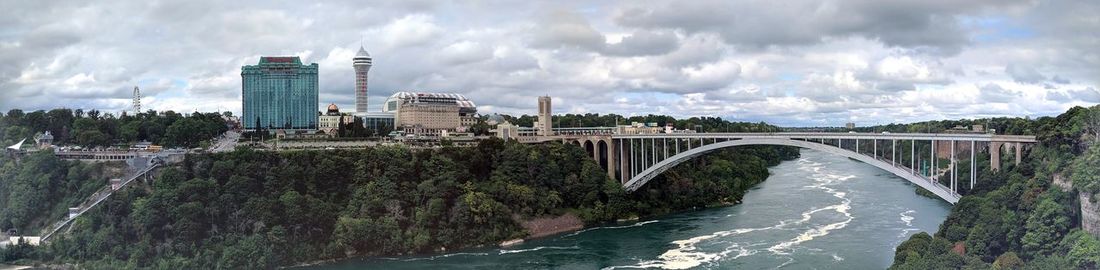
(101, 195)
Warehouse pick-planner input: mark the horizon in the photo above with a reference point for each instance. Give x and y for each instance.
(119, 114)
(817, 65)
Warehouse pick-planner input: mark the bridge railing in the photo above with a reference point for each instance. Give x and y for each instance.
(845, 136)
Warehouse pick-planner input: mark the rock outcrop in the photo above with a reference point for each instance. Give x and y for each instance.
(1090, 214)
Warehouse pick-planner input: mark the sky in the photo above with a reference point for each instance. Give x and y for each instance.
(790, 63)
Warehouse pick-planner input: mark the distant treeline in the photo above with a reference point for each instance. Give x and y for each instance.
(94, 128)
(700, 124)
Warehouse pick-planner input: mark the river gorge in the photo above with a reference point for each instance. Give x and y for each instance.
(818, 211)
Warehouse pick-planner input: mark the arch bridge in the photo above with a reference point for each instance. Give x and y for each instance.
(636, 159)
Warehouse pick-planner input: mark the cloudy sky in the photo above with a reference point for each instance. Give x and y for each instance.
(792, 63)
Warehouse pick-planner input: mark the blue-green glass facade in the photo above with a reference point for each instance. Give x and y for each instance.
(279, 93)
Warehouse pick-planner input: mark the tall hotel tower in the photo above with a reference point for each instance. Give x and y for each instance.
(279, 93)
(362, 63)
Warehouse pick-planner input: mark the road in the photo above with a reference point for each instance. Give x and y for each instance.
(226, 142)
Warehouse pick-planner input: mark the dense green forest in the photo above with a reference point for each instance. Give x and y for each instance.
(257, 209)
(94, 128)
(38, 190)
(1017, 218)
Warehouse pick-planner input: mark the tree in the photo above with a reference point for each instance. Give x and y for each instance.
(1092, 121)
(130, 131)
(1007, 261)
(1045, 228)
(341, 131)
(1085, 252)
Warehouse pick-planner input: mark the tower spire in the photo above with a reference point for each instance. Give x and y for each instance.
(362, 63)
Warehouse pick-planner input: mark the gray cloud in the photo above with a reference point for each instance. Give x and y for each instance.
(929, 26)
(789, 62)
(567, 29)
(996, 94)
(1059, 80)
(1024, 74)
(1086, 94)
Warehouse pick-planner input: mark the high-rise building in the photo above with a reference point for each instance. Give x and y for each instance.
(279, 93)
(362, 63)
(545, 125)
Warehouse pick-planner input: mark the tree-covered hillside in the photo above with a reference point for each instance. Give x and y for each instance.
(251, 209)
(38, 189)
(1018, 218)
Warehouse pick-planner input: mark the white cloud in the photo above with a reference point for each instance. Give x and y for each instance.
(409, 31)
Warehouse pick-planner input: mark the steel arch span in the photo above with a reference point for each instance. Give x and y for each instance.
(649, 173)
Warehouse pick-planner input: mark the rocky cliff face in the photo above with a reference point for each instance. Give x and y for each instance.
(1090, 214)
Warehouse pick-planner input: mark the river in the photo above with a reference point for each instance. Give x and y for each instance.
(819, 211)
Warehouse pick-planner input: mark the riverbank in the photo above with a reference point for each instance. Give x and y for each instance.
(546, 226)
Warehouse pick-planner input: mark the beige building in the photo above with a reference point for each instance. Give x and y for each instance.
(329, 123)
(431, 114)
(640, 128)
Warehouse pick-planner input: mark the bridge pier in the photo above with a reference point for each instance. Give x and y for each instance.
(972, 164)
(995, 156)
(913, 157)
(1019, 153)
(954, 178)
(932, 168)
(610, 153)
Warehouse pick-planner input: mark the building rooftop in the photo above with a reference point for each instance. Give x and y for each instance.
(459, 99)
(362, 53)
(280, 59)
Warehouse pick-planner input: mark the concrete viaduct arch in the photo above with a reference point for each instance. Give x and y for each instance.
(599, 148)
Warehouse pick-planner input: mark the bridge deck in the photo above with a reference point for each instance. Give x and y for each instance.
(844, 136)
